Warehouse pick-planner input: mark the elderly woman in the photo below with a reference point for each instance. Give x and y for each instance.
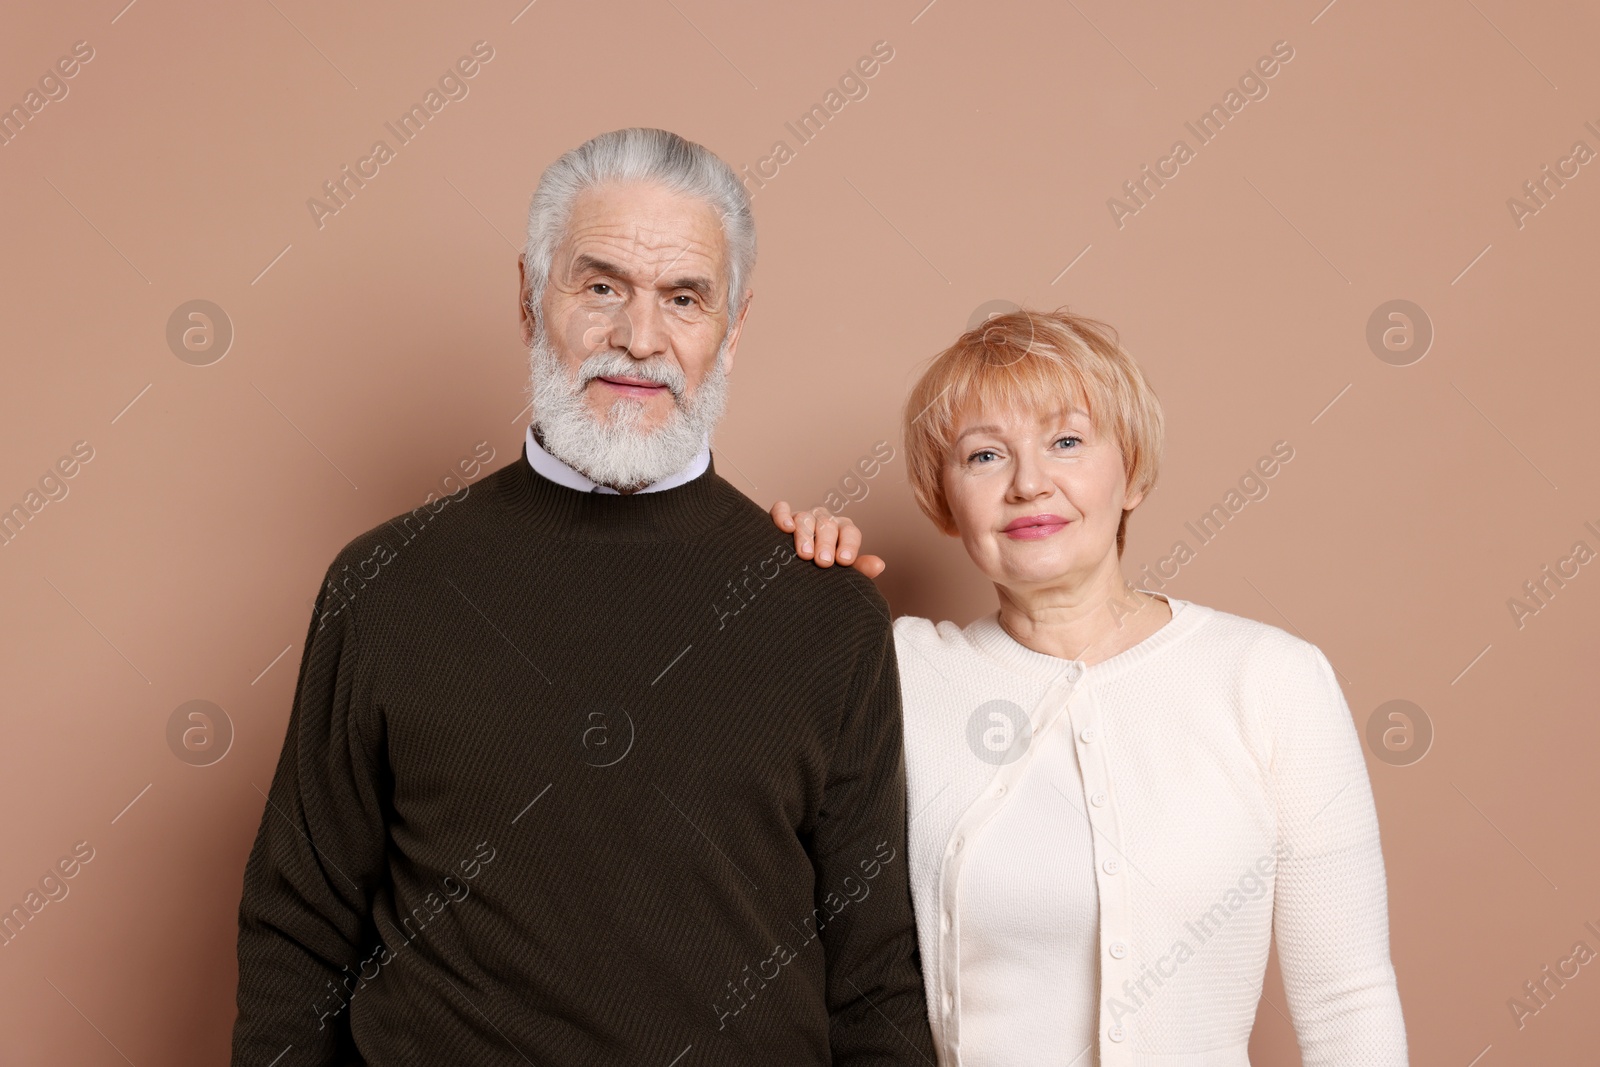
(1116, 796)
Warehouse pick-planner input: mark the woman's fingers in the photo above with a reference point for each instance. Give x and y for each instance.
(815, 534)
(802, 524)
(849, 550)
(870, 565)
(821, 536)
(827, 538)
(804, 534)
(849, 541)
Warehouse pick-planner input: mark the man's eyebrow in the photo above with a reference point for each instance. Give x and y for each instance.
(695, 283)
(585, 262)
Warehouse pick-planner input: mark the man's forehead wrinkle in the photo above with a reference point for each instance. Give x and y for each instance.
(629, 253)
(638, 232)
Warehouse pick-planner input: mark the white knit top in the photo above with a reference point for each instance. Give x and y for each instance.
(1220, 794)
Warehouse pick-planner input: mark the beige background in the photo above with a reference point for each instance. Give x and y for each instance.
(372, 354)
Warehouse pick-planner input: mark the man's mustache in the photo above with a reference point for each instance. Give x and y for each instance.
(618, 364)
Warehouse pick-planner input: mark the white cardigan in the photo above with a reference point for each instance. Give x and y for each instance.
(1228, 794)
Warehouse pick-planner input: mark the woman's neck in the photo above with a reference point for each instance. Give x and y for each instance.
(1091, 621)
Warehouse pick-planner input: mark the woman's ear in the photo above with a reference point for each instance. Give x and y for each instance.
(1133, 500)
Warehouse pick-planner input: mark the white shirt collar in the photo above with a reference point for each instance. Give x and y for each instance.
(556, 471)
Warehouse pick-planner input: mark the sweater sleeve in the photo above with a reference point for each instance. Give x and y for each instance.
(316, 864)
(1330, 911)
(878, 1014)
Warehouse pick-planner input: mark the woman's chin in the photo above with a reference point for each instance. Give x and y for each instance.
(1034, 574)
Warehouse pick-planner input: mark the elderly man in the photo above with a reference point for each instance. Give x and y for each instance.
(587, 770)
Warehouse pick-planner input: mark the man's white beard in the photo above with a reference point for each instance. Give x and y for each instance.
(616, 452)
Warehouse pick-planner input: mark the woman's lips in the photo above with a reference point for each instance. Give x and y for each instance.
(1034, 527)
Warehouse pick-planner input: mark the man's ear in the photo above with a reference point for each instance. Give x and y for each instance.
(735, 328)
(524, 299)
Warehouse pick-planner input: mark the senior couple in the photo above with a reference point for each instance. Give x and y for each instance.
(601, 771)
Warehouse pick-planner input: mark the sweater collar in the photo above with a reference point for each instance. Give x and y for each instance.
(990, 638)
(684, 512)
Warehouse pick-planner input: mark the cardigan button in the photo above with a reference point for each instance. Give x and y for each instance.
(1088, 735)
(949, 1003)
(1111, 866)
(1118, 950)
(1098, 800)
(944, 921)
(1116, 1033)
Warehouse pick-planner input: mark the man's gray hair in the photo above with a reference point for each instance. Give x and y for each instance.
(640, 154)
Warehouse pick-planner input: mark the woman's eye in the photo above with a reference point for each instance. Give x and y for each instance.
(980, 452)
(1069, 437)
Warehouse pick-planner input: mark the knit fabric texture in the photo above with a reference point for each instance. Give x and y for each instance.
(1227, 796)
(577, 778)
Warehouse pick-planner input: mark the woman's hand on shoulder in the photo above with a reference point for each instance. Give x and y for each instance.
(821, 536)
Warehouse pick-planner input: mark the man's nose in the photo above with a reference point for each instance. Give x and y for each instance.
(641, 329)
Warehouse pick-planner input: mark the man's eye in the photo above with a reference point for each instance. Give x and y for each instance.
(600, 289)
(683, 300)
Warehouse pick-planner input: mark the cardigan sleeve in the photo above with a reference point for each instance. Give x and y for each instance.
(318, 859)
(1330, 910)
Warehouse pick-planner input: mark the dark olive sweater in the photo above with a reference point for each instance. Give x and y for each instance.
(575, 778)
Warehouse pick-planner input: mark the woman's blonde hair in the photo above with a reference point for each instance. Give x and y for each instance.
(1031, 361)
